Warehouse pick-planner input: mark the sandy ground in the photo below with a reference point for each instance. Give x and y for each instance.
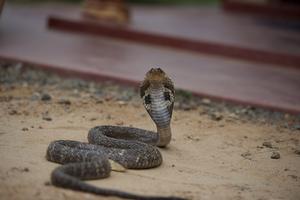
(207, 159)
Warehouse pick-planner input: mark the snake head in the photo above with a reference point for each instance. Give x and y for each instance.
(156, 75)
(155, 78)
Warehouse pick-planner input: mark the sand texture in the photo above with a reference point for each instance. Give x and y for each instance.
(220, 157)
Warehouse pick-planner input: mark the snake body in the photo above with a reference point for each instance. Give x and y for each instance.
(133, 148)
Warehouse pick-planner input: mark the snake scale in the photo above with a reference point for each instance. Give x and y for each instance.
(130, 147)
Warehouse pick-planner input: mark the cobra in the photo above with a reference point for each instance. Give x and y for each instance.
(130, 147)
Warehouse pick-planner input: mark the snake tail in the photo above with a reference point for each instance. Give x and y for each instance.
(63, 178)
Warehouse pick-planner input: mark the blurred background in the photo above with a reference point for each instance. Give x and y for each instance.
(245, 51)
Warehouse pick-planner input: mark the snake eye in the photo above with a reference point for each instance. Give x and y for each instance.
(147, 99)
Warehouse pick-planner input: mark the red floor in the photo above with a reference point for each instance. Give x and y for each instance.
(206, 29)
(23, 36)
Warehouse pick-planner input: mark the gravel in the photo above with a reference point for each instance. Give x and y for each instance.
(20, 74)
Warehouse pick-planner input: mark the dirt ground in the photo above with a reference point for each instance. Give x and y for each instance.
(218, 156)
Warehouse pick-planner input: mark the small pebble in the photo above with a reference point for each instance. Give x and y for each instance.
(120, 123)
(144, 115)
(267, 144)
(122, 103)
(35, 96)
(108, 97)
(47, 118)
(202, 111)
(25, 169)
(297, 151)
(206, 101)
(45, 97)
(64, 101)
(99, 101)
(233, 116)
(13, 112)
(93, 118)
(47, 183)
(216, 116)
(246, 155)
(275, 155)
(25, 129)
(293, 177)
(296, 127)
(25, 84)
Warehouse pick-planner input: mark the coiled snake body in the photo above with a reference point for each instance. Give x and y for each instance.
(132, 148)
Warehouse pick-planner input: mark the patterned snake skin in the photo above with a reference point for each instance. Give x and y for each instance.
(132, 148)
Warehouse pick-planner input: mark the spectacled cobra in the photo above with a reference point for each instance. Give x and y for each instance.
(133, 148)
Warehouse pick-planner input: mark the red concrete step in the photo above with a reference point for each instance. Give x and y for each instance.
(202, 29)
(24, 37)
(283, 10)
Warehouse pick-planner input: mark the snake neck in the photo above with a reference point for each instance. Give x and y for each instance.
(164, 136)
(160, 114)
